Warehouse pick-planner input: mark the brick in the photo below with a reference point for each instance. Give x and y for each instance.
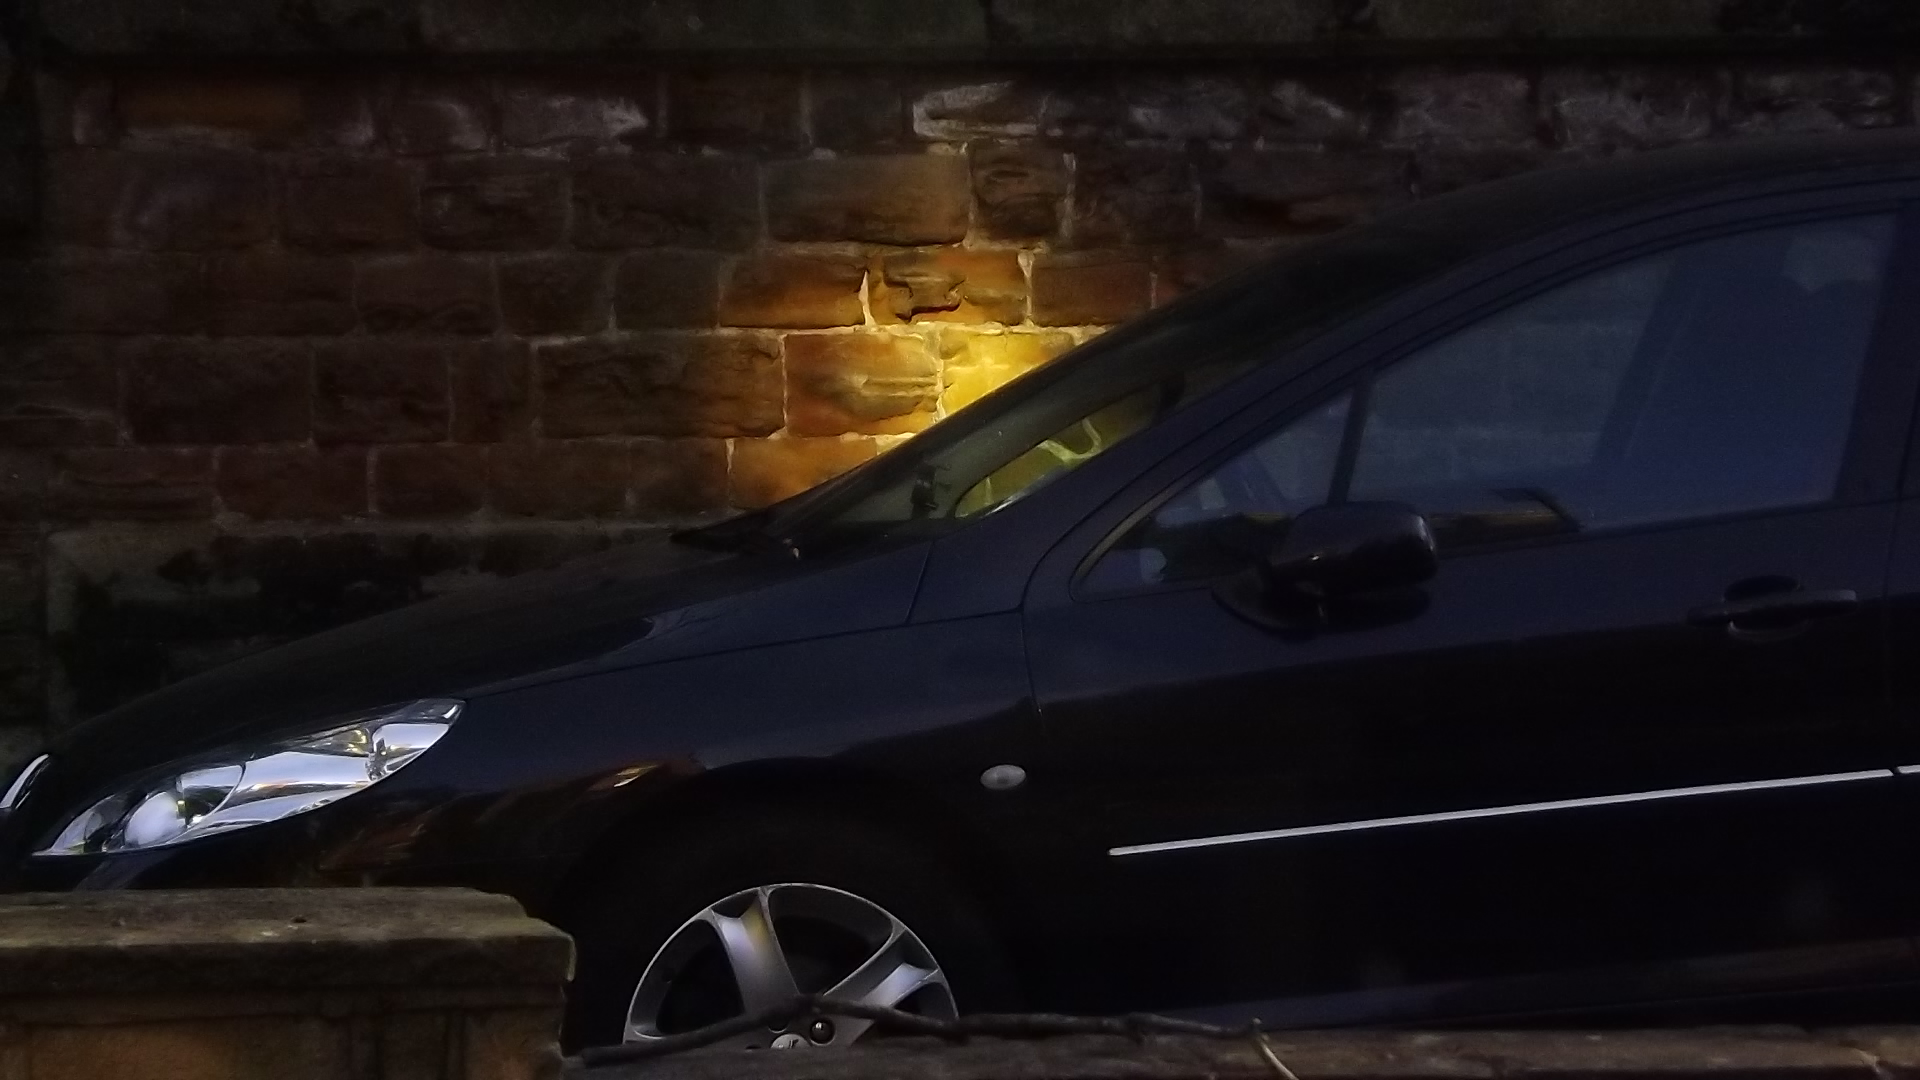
(949, 285)
(434, 115)
(1801, 99)
(1486, 106)
(1261, 193)
(974, 365)
(868, 384)
(373, 391)
(219, 392)
(76, 109)
(1089, 288)
(765, 471)
(520, 1044)
(1124, 196)
(1603, 111)
(662, 200)
(132, 484)
(656, 289)
(857, 110)
(1182, 272)
(281, 293)
(104, 294)
(662, 384)
(426, 294)
(923, 199)
(735, 108)
(26, 480)
(1438, 169)
(58, 392)
(793, 291)
(555, 293)
(214, 1048)
(679, 476)
(1018, 189)
(429, 481)
(986, 108)
(492, 391)
(1327, 110)
(208, 109)
(295, 483)
(494, 204)
(157, 202)
(1197, 107)
(412, 1045)
(1090, 107)
(560, 479)
(348, 204)
(577, 113)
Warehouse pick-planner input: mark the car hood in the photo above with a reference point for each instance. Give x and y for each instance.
(648, 600)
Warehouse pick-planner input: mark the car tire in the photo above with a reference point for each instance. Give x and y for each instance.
(630, 911)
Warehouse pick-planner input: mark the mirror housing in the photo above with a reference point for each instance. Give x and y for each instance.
(1365, 555)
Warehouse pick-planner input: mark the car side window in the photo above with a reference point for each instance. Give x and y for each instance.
(1715, 377)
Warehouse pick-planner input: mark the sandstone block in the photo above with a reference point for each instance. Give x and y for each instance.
(665, 200)
(1125, 196)
(1089, 288)
(903, 199)
(662, 384)
(578, 113)
(58, 392)
(492, 391)
(1802, 99)
(293, 483)
(974, 364)
(1018, 189)
(793, 291)
(223, 392)
(377, 391)
(344, 204)
(157, 202)
(1319, 110)
(429, 481)
(426, 294)
(764, 471)
(494, 204)
(131, 484)
(104, 294)
(1474, 106)
(440, 115)
(561, 479)
(856, 110)
(276, 293)
(1612, 110)
(667, 289)
(869, 384)
(1006, 107)
(949, 285)
(679, 476)
(1260, 193)
(554, 293)
(729, 107)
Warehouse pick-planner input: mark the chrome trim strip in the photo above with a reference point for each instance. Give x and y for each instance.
(1498, 811)
(19, 786)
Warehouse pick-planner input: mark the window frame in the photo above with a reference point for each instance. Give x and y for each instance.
(1884, 429)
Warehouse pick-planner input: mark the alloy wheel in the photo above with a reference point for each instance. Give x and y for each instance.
(759, 948)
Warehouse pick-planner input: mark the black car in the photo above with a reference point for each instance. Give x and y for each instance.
(1495, 611)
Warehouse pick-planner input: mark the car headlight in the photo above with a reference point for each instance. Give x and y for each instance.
(252, 785)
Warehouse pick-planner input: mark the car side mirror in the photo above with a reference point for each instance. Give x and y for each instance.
(1348, 562)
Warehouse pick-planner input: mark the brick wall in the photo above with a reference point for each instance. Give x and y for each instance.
(289, 343)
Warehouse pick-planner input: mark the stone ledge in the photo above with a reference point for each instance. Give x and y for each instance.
(993, 29)
(1782, 1053)
(271, 942)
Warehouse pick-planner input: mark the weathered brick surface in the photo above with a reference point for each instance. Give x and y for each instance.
(665, 200)
(662, 384)
(104, 294)
(293, 483)
(342, 204)
(280, 293)
(561, 479)
(793, 291)
(1263, 193)
(900, 199)
(381, 391)
(679, 476)
(158, 202)
(1132, 197)
(765, 471)
(667, 288)
(131, 484)
(575, 112)
(429, 481)
(1086, 288)
(868, 384)
(1018, 189)
(426, 294)
(440, 115)
(234, 392)
(58, 392)
(730, 108)
(492, 391)
(494, 204)
(949, 285)
(554, 293)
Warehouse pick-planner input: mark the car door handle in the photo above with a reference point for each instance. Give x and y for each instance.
(1776, 610)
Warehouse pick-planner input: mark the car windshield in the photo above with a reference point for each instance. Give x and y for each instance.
(1044, 424)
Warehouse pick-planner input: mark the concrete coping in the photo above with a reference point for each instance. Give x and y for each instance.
(249, 941)
(891, 30)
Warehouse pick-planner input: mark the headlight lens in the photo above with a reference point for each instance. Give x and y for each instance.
(257, 784)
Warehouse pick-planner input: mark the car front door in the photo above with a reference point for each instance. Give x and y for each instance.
(1636, 720)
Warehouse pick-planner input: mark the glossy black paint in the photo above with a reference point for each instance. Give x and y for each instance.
(626, 695)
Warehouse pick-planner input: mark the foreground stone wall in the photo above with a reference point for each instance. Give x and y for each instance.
(302, 318)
